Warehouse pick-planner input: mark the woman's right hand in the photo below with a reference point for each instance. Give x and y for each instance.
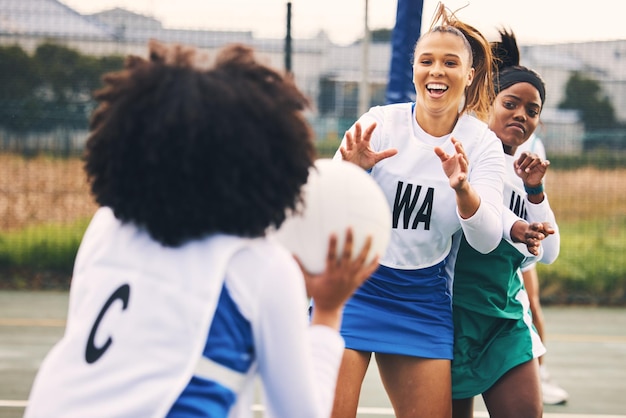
(358, 149)
(344, 274)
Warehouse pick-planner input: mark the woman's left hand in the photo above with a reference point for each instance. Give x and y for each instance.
(531, 168)
(531, 234)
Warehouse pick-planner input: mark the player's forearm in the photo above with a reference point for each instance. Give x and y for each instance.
(328, 317)
(467, 201)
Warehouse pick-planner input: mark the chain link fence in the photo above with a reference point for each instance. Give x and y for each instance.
(52, 59)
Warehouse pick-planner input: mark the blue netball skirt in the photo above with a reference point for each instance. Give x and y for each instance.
(407, 312)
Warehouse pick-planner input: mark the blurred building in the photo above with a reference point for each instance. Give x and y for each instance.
(329, 74)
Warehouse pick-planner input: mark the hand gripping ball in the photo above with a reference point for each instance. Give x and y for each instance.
(337, 195)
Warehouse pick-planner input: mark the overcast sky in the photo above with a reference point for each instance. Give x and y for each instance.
(533, 21)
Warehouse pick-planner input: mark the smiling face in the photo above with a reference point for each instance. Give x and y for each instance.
(441, 72)
(515, 115)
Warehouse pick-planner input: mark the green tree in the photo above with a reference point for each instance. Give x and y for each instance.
(52, 88)
(67, 81)
(585, 95)
(378, 36)
(382, 35)
(18, 83)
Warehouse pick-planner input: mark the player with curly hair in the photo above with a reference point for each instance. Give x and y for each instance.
(179, 299)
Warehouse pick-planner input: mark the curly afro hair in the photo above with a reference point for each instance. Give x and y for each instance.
(185, 150)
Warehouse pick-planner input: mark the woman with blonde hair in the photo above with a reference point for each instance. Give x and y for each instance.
(441, 170)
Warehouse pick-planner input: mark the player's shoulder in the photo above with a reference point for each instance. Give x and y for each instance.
(262, 272)
(384, 111)
(268, 256)
(475, 134)
(470, 128)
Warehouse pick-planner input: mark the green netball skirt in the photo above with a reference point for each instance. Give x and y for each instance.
(486, 347)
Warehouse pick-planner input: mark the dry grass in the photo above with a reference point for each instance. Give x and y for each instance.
(590, 207)
(42, 190)
(48, 190)
(587, 194)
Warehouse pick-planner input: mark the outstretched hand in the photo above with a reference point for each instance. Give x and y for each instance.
(343, 275)
(531, 168)
(455, 166)
(358, 149)
(531, 234)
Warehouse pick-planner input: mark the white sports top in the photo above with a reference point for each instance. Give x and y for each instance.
(140, 313)
(423, 204)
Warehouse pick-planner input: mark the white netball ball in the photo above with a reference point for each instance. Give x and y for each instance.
(336, 196)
